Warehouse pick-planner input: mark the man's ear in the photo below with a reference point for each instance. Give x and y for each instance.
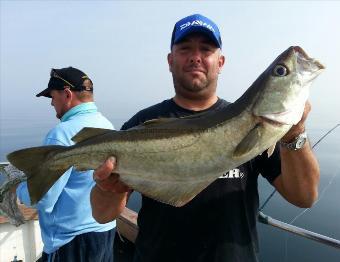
(170, 61)
(221, 62)
(68, 93)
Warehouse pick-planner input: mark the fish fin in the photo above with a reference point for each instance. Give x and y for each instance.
(156, 121)
(270, 150)
(174, 193)
(88, 132)
(41, 181)
(32, 162)
(248, 142)
(164, 120)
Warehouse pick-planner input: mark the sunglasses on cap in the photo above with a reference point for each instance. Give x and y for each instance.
(54, 74)
(86, 86)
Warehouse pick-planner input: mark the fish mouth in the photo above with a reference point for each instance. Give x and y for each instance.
(307, 66)
(303, 56)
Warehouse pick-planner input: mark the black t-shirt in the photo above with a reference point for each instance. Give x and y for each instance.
(219, 224)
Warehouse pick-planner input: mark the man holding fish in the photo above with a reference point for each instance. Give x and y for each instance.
(219, 223)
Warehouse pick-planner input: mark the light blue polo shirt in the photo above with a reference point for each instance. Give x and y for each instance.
(65, 210)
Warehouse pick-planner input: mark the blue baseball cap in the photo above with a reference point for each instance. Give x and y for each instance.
(196, 24)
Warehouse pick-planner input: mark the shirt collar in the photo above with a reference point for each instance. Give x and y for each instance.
(82, 108)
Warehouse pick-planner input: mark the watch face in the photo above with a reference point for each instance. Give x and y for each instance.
(297, 143)
(300, 142)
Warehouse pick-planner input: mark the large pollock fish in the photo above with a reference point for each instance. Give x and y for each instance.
(172, 160)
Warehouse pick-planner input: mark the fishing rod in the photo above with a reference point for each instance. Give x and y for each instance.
(267, 220)
(264, 219)
(330, 131)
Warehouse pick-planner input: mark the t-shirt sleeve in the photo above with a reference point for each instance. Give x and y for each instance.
(54, 137)
(132, 122)
(159, 110)
(269, 167)
(22, 194)
(57, 136)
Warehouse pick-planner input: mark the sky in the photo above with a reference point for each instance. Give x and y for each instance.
(122, 46)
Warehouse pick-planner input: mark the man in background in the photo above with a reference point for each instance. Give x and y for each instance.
(68, 230)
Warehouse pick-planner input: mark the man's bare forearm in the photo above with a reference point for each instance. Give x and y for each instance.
(299, 179)
(106, 205)
(109, 196)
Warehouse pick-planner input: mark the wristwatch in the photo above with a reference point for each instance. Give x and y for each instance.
(297, 143)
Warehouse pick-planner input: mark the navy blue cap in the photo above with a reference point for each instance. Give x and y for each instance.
(196, 24)
(68, 77)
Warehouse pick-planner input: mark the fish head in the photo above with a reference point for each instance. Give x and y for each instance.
(285, 87)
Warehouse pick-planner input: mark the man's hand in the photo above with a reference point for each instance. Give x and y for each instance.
(108, 181)
(110, 195)
(299, 127)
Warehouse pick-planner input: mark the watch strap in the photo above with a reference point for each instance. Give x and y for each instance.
(297, 143)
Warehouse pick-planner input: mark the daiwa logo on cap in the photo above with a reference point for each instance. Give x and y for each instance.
(196, 24)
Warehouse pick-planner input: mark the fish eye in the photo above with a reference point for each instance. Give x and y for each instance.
(280, 70)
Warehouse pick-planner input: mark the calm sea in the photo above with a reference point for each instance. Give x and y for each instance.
(275, 244)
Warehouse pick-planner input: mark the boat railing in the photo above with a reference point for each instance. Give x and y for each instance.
(128, 228)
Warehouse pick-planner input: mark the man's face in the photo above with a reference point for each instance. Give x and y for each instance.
(195, 64)
(59, 102)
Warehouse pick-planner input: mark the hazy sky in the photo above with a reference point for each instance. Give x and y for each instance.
(122, 46)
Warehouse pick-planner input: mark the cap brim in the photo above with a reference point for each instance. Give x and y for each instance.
(201, 30)
(45, 93)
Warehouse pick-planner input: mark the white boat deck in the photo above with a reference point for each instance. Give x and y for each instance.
(23, 242)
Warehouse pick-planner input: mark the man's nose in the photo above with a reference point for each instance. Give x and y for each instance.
(195, 57)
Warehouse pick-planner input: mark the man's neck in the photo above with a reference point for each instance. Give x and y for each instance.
(195, 104)
(75, 102)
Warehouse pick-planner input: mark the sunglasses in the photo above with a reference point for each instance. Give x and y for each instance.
(87, 84)
(55, 75)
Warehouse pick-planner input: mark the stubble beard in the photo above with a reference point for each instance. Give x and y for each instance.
(190, 85)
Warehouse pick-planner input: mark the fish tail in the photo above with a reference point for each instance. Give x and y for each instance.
(32, 162)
